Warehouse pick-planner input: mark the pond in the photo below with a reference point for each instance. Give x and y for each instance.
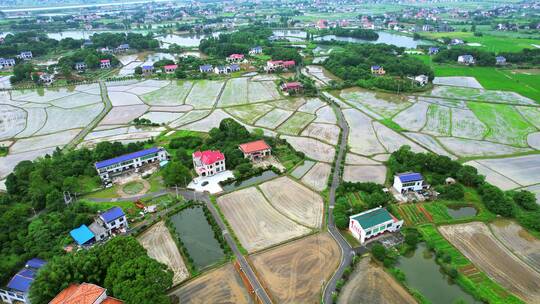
(299, 171)
(461, 212)
(190, 40)
(85, 34)
(266, 175)
(384, 37)
(423, 274)
(197, 235)
(289, 33)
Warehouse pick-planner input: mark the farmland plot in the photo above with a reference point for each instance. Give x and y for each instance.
(46, 141)
(204, 94)
(123, 115)
(313, 148)
(206, 124)
(363, 174)
(451, 103)
(362, 138)
(62, 119)
(294, 200)
(161, 117)
(106, 133)
(222, 285)
(481, 95)
(525, 170)
(190, 117)
(36, 120)
(369, 283)
(290, 104)
(387, 105)
(353, 159)
(470, 147)
(235, 92)
(37, 96)
(256, 223)
(161, 247)
(430, 143)
(12, 121)
(123, 138)
(8, 162)
(465, 124)
(494, 177)
(477, 243)
(392, 140)
(296, 123)
(414, 117)
(317, 177)
(176, 109)
(458, 81)
(173, 94)
(326, 115)
(273, 118)
(518, 240)
(124, 99)
(249, 113)
(77, 100)
(325, 132)
(296, 272)
(312, 105)
(533, 140)
(438, 120)
(532, 114)
(262, 91)
(505, 124)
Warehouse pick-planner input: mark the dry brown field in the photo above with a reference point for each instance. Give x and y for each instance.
(294, 200)
(519, 241)
(296, 272)
(255, 222)
(160, 246)
(369, 283)
(222, 285)
(478, 244)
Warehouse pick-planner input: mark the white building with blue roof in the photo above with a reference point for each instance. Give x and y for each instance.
(106, 224)
(19, 285)
(115, 166)
(409, 181)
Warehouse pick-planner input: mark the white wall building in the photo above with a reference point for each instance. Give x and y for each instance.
(115, 166)
(373, 222)
(208, 163)
(409, 181)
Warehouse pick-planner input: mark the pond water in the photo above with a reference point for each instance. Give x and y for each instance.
(289, 33)
(154, 57)
(384, 37)
(190, 40)
(303, 168)
(423, 274)
(266, 175)
(85, 34)
(198, 237)
(461, 212)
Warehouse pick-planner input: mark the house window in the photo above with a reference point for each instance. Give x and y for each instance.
(389, 225)
(368, 232)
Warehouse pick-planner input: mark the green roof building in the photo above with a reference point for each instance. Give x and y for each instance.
(373, 222)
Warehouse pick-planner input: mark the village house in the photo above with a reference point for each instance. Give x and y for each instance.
(421, 80)
(234, 67)
(46, 78)
(115, 166)
(25, 55)
(373, 222)
(273, 65)
(147, 70)
(377, 70)
(208, 163)
(500, 60)
(255, 50)
(456, 41)
(255, 150)
(236, 58)
(322, 24)
(80, 66)
(122, 48)
(433, 50)
(222, 69)
(84, 293)
(105, 63)
(106, 224)
(292, 87)
(7, 63)
(170, 68)
(19, 285)
(105, 50)
(409, 181)
(465, 59)
(207, 68)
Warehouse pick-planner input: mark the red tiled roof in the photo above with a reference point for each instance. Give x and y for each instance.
(291, 85)
(289, 63)
(236, 56)
(254, 146)
(104, 60)
(84, 293)
(209, 157)
(171, 66)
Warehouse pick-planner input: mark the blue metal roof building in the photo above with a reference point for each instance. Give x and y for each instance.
(125, 157)
(82, 235)
(112, 214)
(23, 279)
(410, 177)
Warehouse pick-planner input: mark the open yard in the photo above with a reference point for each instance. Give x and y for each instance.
(369, 283)
(296, 272)
(255, 222)
(160, 246)
(222, 285)
(478, 244)
(294, 200)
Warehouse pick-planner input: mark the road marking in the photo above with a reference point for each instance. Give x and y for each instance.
(331, 207)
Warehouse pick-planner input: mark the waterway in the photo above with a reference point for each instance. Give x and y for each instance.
(197, 235)
(425, 275)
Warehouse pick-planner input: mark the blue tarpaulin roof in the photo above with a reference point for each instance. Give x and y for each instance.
(410, 177)
(112, 214)
(126, 157)
(82, 234)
